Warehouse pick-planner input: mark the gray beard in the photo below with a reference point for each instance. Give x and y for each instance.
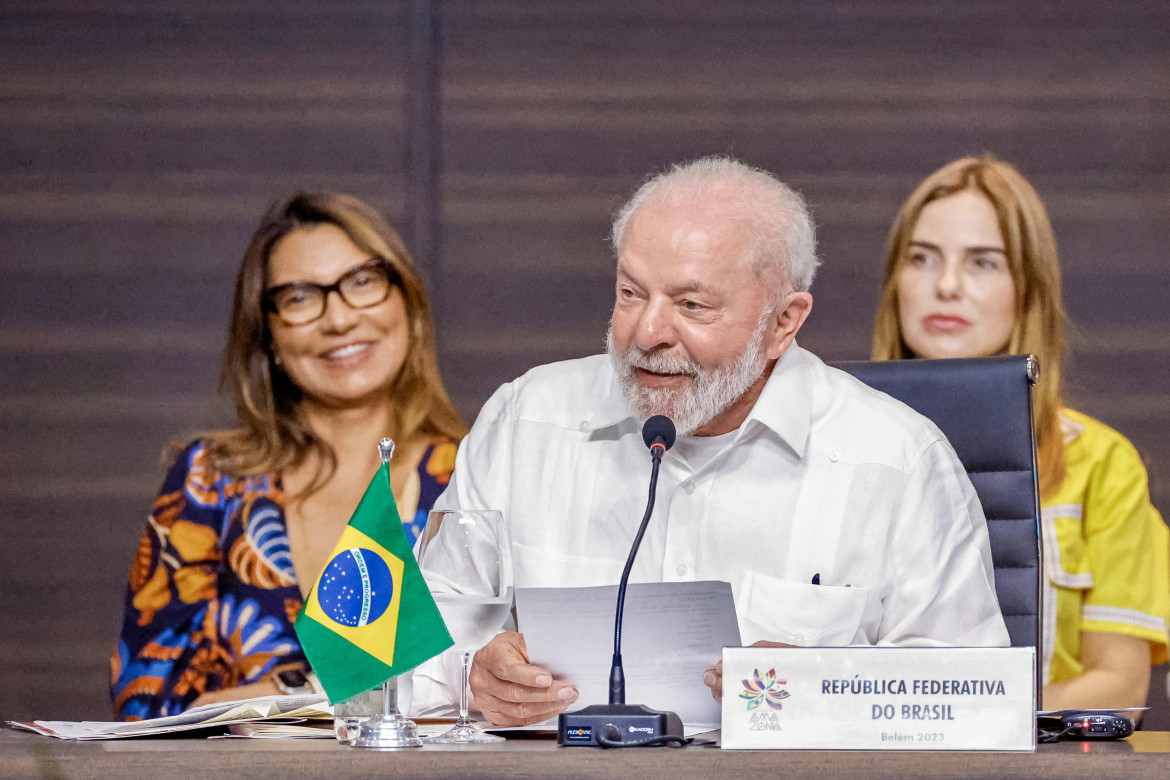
(709, 394)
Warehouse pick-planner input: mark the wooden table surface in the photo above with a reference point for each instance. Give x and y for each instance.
(22, 754)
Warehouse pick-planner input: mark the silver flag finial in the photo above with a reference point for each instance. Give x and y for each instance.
(386, 449)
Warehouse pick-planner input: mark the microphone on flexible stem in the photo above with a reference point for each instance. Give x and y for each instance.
(618, 724)
(658, 433)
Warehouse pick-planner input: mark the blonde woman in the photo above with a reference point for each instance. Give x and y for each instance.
(330, 348)
(972, 270)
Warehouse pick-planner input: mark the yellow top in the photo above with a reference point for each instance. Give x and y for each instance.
(1106, 549)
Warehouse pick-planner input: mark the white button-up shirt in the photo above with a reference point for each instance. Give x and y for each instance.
(839, 515)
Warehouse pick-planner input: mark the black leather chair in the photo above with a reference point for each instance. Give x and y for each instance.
(984, 407)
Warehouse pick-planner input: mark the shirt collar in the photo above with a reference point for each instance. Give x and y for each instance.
(611, 409)
(784, 405)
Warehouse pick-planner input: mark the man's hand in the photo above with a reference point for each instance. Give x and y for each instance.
(509, 691)
(713, 677)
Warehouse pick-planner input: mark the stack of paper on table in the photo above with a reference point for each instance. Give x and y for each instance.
(279, 730)
(307, 707)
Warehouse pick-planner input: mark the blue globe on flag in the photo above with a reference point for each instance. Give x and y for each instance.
(356, 587)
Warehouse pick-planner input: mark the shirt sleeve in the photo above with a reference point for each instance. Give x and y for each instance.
(481, 480)
(482, 476)
(1128, 552)
(172, 580)
(434, 473)
(944, 582)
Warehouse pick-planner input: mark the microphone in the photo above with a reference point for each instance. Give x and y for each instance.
(658, 433)
(608, 725)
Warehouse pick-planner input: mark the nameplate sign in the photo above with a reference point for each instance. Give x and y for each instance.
(879, 698)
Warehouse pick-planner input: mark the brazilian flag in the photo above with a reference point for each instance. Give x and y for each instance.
(370, 616)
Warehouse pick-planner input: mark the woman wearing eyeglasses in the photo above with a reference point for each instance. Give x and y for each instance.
(972, 270)
(331, 348)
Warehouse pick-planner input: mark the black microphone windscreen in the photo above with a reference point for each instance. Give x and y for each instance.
(658, 427)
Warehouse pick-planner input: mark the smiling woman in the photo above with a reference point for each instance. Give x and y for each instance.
(331, 347)
(342, 351)
(972, 270)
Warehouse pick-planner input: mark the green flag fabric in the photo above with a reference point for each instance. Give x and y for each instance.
(370, 616)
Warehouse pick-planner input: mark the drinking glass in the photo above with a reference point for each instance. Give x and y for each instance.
(466, 559)
(349, 714)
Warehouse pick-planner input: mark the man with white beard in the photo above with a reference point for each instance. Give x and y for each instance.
(838, 515)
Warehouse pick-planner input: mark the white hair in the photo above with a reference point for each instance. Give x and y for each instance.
(782, 239)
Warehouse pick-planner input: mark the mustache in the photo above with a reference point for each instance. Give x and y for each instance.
(661, 362)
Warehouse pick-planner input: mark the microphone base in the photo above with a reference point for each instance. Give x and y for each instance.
(616, 722)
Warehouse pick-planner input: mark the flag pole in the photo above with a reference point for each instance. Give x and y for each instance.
(391, 729)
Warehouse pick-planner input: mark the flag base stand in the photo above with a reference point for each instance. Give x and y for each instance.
(387, 732)
(391, 730)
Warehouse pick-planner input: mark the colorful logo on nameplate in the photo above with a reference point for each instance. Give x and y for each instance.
(764, 689)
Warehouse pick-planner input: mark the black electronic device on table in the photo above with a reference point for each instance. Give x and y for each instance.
(1078, 725)
(1095, 725)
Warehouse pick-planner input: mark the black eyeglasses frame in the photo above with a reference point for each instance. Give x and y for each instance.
(392, 277)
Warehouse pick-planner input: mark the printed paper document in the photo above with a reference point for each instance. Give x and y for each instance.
(672, 633)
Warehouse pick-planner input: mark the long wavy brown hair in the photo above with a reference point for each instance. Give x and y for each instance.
(272, 435)
(1035, 268)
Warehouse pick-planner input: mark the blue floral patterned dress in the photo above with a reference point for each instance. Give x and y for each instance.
(213, 595)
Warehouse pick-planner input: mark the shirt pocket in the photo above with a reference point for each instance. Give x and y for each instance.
(800, 614)
(1066, 561)
(540, 568)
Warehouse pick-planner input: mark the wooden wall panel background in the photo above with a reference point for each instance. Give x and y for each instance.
(140, 141)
